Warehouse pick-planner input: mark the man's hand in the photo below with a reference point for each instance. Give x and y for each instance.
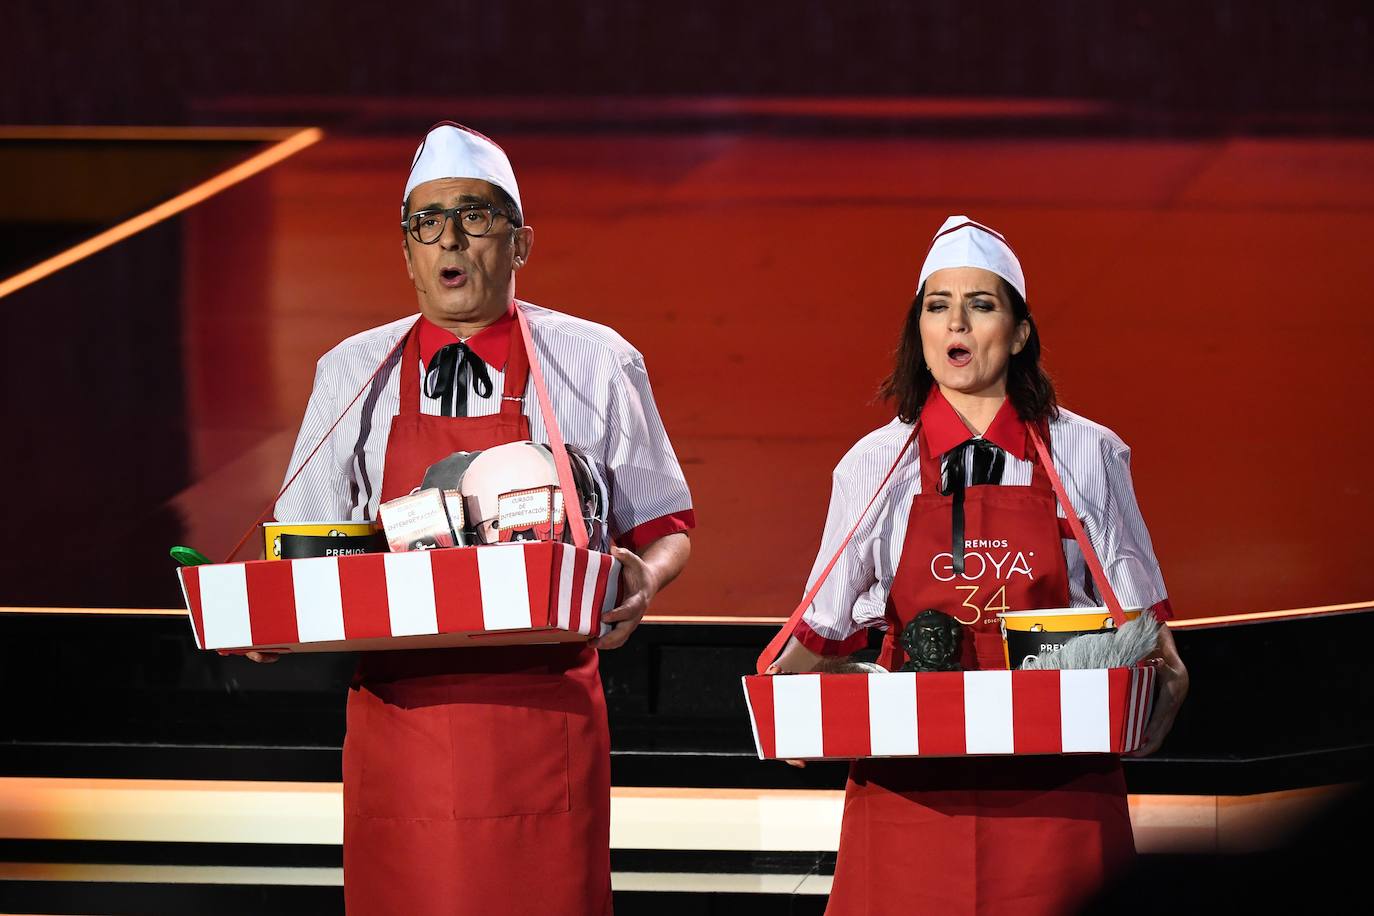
(263, 658)
(642, 576)
(1173, 688)
(639, 587)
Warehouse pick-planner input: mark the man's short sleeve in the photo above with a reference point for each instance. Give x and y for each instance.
(649, 495)
(321, 492)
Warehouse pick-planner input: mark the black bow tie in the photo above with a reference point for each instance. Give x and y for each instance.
(988, 462)
(446, 378)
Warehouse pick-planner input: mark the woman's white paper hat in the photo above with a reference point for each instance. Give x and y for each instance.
(451, 150)
(961, 242)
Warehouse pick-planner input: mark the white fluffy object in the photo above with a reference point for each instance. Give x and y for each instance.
(1120, 648)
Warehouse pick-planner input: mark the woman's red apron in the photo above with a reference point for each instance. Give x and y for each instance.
(475, 780)
(979, 835)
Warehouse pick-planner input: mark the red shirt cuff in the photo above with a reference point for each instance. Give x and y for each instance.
(822, 646)
(641, 536)
(1162, 610)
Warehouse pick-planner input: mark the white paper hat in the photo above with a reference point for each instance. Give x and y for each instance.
(451, 150)
(961, 242)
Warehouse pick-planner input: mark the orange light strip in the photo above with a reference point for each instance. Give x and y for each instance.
(100, 611)
(1187, 623)
(144, 132)
(183, 201)
(758, 820)
(1191, 622)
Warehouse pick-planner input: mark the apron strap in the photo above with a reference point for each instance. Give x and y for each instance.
(517, 377)
(410, 377)
(775, 647)
(386, 360)
(1079, 535)
(1040, 477)
(572, 505)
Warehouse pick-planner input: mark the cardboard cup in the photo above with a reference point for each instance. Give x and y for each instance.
(1035, 632)
(272, 532)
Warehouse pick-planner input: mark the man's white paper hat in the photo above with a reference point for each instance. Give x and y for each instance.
(451, 150)
(961, 242)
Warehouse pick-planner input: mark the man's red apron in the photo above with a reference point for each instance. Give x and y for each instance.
(475, 780)
(979, 835)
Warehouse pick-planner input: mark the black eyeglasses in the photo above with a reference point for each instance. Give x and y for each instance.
(475, 220)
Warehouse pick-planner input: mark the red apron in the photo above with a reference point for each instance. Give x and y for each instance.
(979, 835)
(475, 780)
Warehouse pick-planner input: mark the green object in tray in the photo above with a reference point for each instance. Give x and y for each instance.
(188, 556)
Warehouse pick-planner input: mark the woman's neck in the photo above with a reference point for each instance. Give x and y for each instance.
(976, 410)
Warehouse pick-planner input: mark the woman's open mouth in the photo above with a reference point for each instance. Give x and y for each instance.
(452, 277)
(959, 356)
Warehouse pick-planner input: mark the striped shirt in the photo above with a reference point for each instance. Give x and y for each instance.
(600, 393)
(1095, 467)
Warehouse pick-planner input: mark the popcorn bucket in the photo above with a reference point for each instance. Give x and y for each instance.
(1033, 633)
(272, 532)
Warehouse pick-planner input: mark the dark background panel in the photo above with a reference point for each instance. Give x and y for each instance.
(92, 412)
(159, 61)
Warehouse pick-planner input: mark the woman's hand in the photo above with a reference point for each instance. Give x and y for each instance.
(1173, 688)
(263, 658)
(774, 669)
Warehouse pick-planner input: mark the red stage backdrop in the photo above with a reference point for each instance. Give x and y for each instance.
(1207, 300)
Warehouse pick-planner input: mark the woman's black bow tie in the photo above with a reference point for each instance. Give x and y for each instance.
(988, 462)
(446, 378)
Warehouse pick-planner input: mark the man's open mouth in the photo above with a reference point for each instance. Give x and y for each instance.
(452, 276)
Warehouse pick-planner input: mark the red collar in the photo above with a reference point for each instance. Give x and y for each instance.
(492, 343)
(944, 430)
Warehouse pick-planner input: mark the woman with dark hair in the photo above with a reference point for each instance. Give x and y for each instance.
(967, 524)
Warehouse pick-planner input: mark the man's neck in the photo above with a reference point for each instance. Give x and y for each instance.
(463, 328)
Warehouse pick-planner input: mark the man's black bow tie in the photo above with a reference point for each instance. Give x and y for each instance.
(446, 378)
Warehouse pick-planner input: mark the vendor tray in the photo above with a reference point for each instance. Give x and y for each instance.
(499, 594)
(949, 713)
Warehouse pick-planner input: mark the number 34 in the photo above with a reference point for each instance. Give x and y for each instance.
(997, 603)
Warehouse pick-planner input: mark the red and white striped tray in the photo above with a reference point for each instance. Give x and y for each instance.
(949, 714)
(499, 594)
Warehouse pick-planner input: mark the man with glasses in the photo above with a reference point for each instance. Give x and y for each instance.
(478, 780)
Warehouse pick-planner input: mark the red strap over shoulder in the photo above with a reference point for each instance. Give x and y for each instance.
(775, 647)
(1079, 535)
(323, 439)
(572, 505)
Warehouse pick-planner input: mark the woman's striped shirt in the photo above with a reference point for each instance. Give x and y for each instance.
(1095, 467)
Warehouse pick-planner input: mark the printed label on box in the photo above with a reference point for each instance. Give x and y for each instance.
(417, 522)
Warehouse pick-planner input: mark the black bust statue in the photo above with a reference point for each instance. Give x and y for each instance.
(931, 642)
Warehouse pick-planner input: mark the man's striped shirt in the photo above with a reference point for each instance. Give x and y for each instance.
(601, 397)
